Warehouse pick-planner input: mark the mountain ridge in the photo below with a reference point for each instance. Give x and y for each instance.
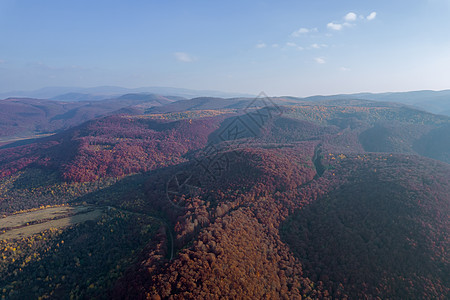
(246, 200)
(105, 92)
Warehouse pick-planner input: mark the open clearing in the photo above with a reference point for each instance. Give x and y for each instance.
(42, 214)
(8, 140)
(55, 217)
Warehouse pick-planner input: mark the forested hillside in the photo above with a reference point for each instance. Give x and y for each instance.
(27, 117)
(315, 201)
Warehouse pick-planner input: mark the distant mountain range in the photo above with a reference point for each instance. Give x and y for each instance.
(203, 198)
(50, 111)
(106, 92)
(437, 102)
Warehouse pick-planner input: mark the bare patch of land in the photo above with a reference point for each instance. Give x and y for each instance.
(7, 140)
(17, 226)
(42, 214)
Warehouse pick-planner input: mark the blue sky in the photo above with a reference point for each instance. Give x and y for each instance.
(297, 48)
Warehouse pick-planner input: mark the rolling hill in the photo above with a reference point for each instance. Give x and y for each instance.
(24, 117)
(215, 198)
(437, 102)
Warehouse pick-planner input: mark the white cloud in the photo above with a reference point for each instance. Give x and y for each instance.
(261, 45)
(320, 60)
(372, 16)
(318, 46)
(346, 24)
(351, 16)
(275, 45)
(183, 57)
(294, 45)
(302, 31)
(350, 20)
(344, 69)
(334, 26)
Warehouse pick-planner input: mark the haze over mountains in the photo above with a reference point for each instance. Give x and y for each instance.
(437, 102)
(432, 101)
(22, 118)
(106, 92)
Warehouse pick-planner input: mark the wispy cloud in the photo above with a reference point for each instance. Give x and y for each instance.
(371, 16)
(261, 45)
(45, 67)
(320, 60)
(294, 45)
(318, 46)
(275, 45)
(347, 24)
(334, 26)
(344, 69)
(350, 17)
(183, 57)
(303, 31)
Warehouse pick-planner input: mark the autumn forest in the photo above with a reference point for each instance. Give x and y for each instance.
(208, 198)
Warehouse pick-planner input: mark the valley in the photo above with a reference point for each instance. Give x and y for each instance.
(159, 150)
(231, 198)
